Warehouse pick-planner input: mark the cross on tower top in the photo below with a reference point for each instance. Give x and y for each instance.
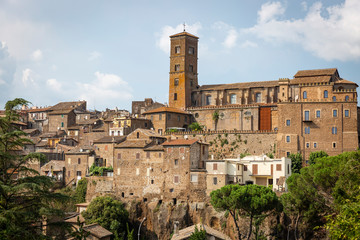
(184, 26)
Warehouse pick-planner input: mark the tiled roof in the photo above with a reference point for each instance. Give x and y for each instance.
(316, 72)
(243, 85)
(184, 34)
(154, 148)
(133, 144)
(73, 218)
(166, 109)
(150, 133)
(30, 130)
(97, 230)
(343, 81)
(85, 149)
(58, 112)
(186, 232)
(66, 105)
(38, 110)
(315, 79)
(180, 142)
(111, 139)
(42, 144)
(88, 121)
(57, 165)
(59, 133)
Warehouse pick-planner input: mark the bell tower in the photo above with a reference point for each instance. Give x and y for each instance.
(183, 69)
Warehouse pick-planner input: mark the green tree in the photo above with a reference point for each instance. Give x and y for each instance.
(252, 201)
(26, 197)
(216, 117)
(109, 213)
(198, 234)
(80, 191)
(195, 126)
(296, 162)
(315, 155)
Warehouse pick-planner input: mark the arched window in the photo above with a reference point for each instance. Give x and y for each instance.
(346, 98)
(233, 98)
(325, 94)
(304, 95)
(334, 99)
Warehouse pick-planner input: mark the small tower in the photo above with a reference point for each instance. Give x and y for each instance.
(183, 69)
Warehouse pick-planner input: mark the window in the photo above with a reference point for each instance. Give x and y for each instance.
(278, 167)
(334, 113)
(334, 99)
(177, 67)
(176, 179)
(177, 49)
(137, 135)
(325, 94)
(147, 154)
(137, 156)
(191, 83)
(106, 147)
(245, 168)
(215, 166)
(137, 171)
(307, 115)
(304, 95)
(152, 181)
(287, 139)
(175, 96)
(346, 98)
(233, 98)
(176, 162)
(307, 130)
(119, 156)
(62, 115)
(152, 118)
(62, 124)
(185, 119)
(315, 145)
(208, 100)
(254, 169)
(215, 181)
(287, 122)
(318, 113)
(307, 145)
(78, 173)
(258, 97)
(334, 144)
(176, 82)
(169, 116)
(191, 50)
(193, 178)
(191, 68)
(334, 130)
(288, 154)
(178, 118)
(79, 161)
(347, 113)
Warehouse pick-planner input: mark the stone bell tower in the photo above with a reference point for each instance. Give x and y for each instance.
(183, 69)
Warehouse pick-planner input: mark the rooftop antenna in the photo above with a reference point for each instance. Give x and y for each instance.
(184, 26)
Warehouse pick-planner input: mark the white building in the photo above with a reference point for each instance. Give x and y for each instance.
(260, 170)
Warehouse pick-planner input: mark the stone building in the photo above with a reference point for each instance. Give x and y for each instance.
(61, 120)
(139, 107)
(38, 118)
(105, 149)
(316, 110)
(124, 125)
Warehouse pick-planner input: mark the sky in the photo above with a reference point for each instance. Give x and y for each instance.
(112, 52)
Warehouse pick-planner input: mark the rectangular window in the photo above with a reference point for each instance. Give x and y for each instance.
(307, 145)
(177, 67)
(258, 97)
(306, 115)
(347, 113)
(215, 166)
(287, 122)
(317, 113)
(159, 155)
(287, 139)
(78, 173)
(278, 167)
(177, 49)
(334, 130)
(233, 98)
(176, 179)
(193, 178)
(191, 50)
(185, 118)
(335, 113)
(191, 83)
(191, 68)
(137, 156)
(79, 161)
(307, 130)
(148, 155)
(288, 154)
(208, 100)
(175, 96)
(176, 162)
(176, 82)
(215, 180)
(245, 168)
(334, 144)
(169, 116)
(315, 145)
(254, 169)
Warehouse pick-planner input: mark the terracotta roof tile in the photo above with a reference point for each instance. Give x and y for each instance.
(243, 85)
(111, 139)
(66, 105)
(183, 34)
(38, 110)
(344, 81)
(57, 165)
(97, 230)
(315, 79)
(180, 142)
(316, 72)
(58, 112)
(166, 109)
(133, 144)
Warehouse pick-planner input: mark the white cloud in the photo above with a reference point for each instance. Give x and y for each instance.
(304, 5)
(28, 77)
(37, 55)
(231, 34)
(269, 11)
(248, 43)
(53, 84)
(94, 55)
(334, 37)
(105, 90)
(163, 41)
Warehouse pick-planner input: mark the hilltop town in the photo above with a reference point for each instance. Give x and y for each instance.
(206, 137)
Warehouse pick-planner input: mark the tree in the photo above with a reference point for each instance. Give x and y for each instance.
(80, 191)
(109, 213)
(296, 162)
(198, 234)
(252, 201)
(26, 197)
(315, 155)
(195, 126)
(216, 117)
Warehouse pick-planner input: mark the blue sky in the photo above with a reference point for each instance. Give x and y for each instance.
(113, 52)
